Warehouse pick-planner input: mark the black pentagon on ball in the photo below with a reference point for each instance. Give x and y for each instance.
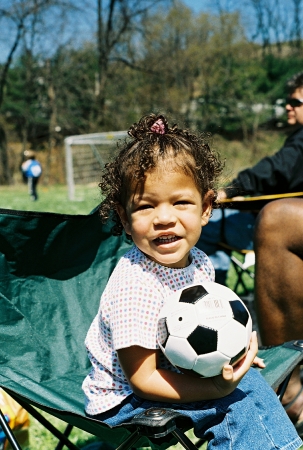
(193, 294)
(240, 313)
(237, 358)
(203, 340)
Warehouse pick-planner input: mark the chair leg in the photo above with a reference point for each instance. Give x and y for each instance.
(240, 270)
(8, 433)
(62, 437)
(66, 433)
(184, 440)
(177, 433)
(282, 388)
(130, 441)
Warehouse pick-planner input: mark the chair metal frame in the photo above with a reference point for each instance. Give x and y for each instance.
(245, 267)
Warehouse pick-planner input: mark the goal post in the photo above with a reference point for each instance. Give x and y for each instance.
(86, 155)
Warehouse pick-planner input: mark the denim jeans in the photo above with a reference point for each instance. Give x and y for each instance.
(231, 226)
(251, 418)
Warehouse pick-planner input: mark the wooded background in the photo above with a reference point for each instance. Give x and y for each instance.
(73, 67)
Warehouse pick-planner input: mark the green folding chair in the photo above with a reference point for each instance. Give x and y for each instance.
(53, 269)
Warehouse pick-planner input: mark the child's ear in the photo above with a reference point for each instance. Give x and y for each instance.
(124, 219)
(207, 206)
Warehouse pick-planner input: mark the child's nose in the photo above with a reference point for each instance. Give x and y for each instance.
(164, 216)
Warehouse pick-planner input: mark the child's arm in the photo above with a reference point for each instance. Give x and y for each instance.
(140, 366)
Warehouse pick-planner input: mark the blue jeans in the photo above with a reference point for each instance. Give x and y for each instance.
(250, 418)
(236, 229)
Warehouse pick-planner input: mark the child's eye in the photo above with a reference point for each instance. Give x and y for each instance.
(143, 207)
(182, 202)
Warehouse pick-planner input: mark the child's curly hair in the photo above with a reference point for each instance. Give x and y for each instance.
(152, 141)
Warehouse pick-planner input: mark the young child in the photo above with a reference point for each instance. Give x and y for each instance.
(31, 170)
(160, 189)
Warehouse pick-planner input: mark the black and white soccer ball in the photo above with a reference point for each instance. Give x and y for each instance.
(203, 327)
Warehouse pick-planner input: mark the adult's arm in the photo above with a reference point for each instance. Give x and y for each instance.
(280, 173)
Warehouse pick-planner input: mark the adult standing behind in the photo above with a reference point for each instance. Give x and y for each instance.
(280, 173)
(31, 169)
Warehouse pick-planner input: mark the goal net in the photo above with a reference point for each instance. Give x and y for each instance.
(86, 154)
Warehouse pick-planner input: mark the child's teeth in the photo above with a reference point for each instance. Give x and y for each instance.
(167, 239)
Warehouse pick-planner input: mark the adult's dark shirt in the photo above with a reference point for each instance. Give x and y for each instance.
(277, 174)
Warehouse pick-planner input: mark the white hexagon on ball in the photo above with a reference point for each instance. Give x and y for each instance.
(213, 312)
(231, 338)
(175, 350)
(182, 320)
(211, 364)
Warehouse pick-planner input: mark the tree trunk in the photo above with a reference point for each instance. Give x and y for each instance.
(52, 122)
(102, 69)
(5, 176)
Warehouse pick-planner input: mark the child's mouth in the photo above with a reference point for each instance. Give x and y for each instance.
(166, 239)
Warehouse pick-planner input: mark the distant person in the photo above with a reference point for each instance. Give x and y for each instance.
(31, 169)
(277, 174)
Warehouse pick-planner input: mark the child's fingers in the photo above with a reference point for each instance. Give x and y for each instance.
(228, 372)
(259, 362)
(248, 360)
(235, 373)
(253, 346)
(240, 369)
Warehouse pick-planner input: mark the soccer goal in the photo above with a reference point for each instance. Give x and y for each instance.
(86, 154)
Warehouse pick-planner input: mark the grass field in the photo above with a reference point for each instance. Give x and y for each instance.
(51, 199)
(54, 199)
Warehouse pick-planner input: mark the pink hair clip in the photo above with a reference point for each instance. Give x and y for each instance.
(158, 127)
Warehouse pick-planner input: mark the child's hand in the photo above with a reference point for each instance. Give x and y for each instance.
(259, 362)
(231, 376)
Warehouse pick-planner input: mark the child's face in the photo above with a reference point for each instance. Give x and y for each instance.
(165, 216)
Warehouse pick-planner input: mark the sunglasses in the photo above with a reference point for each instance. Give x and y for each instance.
(294, 102)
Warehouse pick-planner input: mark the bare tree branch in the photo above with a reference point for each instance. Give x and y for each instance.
(134, 66)
(9, 60)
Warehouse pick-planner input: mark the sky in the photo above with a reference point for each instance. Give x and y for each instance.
(204, 5)
(195, 5)
(6, 38)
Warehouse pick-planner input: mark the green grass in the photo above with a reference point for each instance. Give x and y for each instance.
(41, 439)
(51, 199)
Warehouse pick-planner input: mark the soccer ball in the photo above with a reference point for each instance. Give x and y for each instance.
(203, 327)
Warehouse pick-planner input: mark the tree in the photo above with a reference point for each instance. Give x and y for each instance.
(117, 19)
(277, 23)
(170, 52)
(23, 19)
(296, 31)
